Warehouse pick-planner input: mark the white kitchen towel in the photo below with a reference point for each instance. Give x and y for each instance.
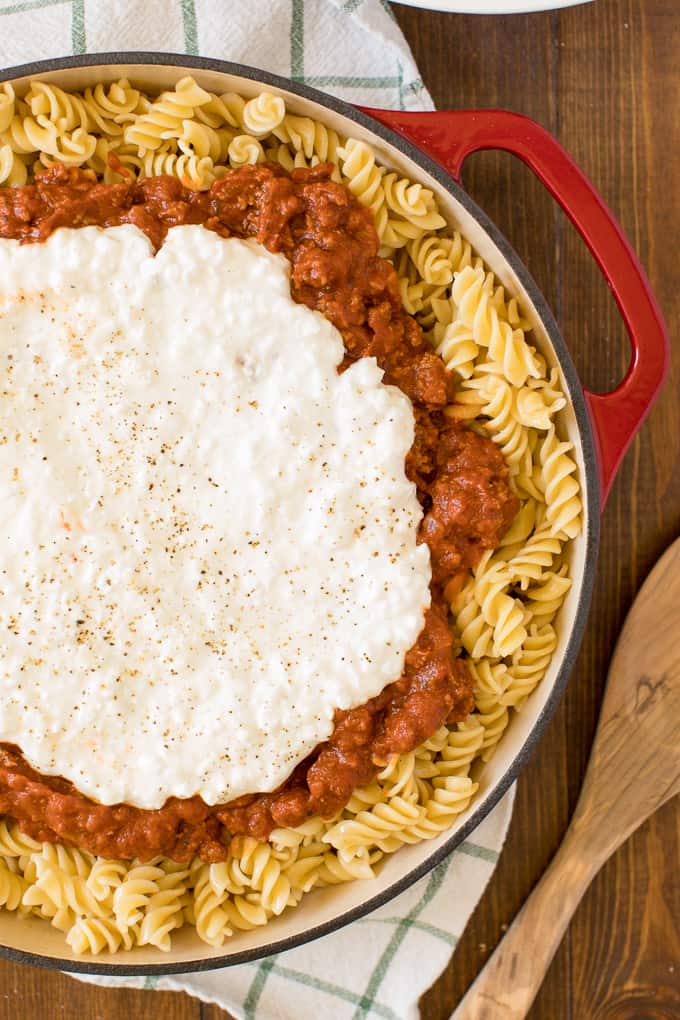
(376, 968)
(381, 965)
(351, 48)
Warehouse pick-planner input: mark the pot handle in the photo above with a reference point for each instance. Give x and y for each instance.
(449, 136)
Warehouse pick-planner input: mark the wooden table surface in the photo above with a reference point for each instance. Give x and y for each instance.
(604, 78)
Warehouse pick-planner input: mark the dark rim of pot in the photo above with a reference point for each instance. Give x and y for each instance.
(590, 486)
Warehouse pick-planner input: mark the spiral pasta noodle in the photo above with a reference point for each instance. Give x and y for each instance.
(500, 610)
(105, 877)
(509, 351)
(244, 149)
(163, 912)
(58, 888)
(410, 201)
(458, 349)
(310, 138)
(192, 170)
(411, 213)
(28, 135)
(204, 142)
(134, 893)
(534, 409)
(430, 259)
(559, 485)
(370, 828)
(398, 778)
(166, 115)
(98, 934)
(210, 917)
(536, 554)
(14, 843)
(364, 178)
(495, 722)
(412, 296)
(474, 632)
(472, 295)
(530, 663)
(546, 596)
(12, 888)
(503, 425)
(7, 100)
(490, 680)
(504, 614)
(461, 748)
(109, 109)
(65, 110)
(263, 114)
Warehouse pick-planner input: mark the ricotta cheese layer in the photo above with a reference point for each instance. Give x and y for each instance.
(207, 538)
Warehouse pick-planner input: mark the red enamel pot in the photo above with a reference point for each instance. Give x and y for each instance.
(430, 148)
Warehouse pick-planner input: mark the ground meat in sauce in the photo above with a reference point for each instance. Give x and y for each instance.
(461, 480)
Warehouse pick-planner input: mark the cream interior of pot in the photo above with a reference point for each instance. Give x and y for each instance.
(328, 906)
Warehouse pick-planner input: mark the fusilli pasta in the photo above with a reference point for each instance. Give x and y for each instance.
(503, 614)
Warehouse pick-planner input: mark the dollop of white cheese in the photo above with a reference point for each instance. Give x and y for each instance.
(207, 538)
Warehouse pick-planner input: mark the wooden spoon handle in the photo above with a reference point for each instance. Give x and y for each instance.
(510, 979)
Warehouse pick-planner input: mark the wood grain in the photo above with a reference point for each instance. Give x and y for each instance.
(604, 78)
(607, 954)
(634, 768)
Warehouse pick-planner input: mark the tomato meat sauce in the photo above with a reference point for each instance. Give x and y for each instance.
(461, 480)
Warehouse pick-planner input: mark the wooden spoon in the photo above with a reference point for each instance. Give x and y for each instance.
(634, 768)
